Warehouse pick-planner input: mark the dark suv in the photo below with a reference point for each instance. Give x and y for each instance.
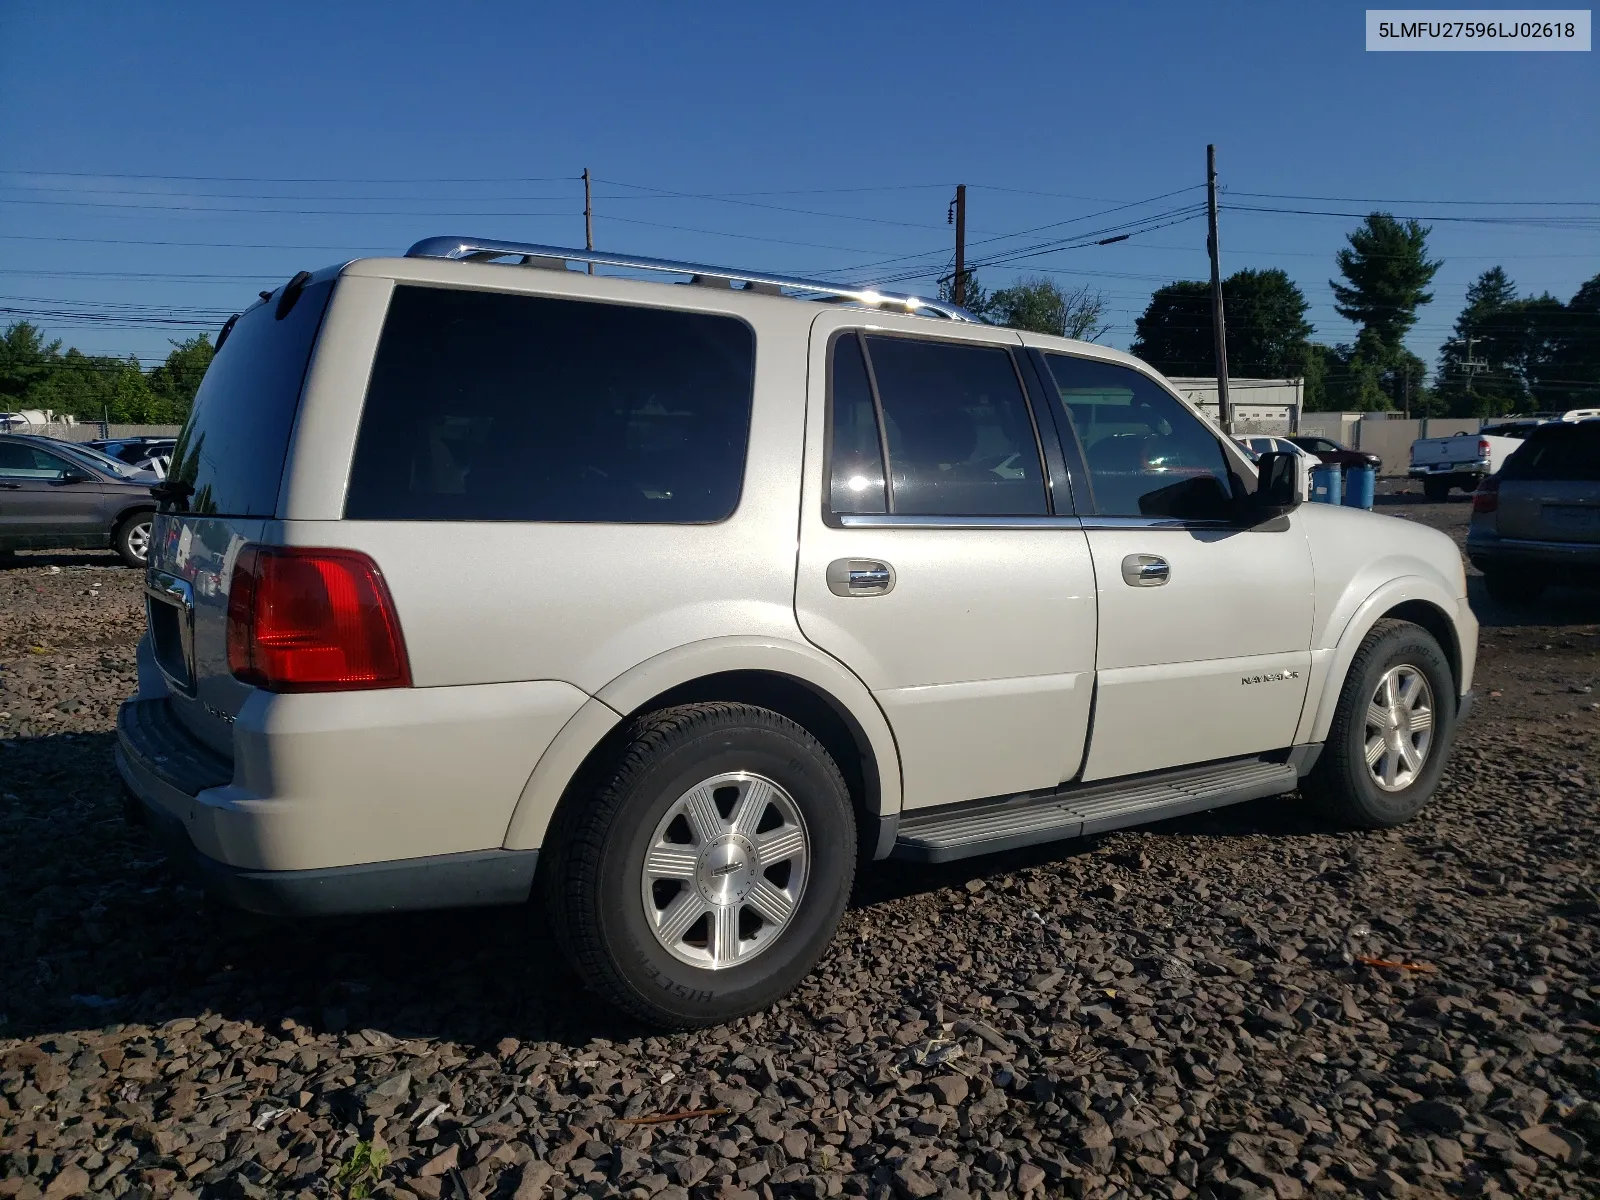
(58, 495)
(1537, 521)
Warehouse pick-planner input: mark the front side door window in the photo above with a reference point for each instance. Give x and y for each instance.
(1146, 454)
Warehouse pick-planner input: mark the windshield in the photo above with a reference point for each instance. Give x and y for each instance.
(101, 462)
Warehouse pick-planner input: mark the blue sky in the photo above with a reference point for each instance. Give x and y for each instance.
(299, 122)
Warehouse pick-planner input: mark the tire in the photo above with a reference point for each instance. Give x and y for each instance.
(1436, 490)
(1342, 783)
(1510, 586)
(607, 910)
(131, 539)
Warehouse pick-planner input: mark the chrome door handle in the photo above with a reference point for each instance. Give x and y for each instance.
(1145, 570)
(860, 577)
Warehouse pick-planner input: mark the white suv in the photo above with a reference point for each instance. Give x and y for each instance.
(478, 574)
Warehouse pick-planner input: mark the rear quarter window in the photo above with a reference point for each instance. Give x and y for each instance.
(1570, 454)
(232, 448)
(490, 406)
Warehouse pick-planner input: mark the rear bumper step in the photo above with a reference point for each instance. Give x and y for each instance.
(989, 827)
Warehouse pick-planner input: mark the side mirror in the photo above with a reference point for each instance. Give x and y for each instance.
(1277, 485)
(74, 475)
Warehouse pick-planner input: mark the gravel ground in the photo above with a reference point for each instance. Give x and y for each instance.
(1177, 1011)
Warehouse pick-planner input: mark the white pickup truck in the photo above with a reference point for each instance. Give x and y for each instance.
(1464, 458)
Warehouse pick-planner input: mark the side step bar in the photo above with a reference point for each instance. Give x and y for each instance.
(989, 826)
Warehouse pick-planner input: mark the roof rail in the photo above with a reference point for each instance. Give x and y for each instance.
(483, 250)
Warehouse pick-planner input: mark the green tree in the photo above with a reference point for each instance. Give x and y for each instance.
(25, 359)
(1386, 273)
(1570, 378)
(1042, 306)
(1488, 327)
(1265, 316)
(973, 296)
(178, 379)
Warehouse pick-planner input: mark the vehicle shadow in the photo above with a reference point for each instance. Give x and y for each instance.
(104, 559)
(1557, 606)
(97, 927)
(1275, 816)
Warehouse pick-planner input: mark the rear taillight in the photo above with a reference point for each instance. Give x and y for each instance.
(1487, 498)
(1483, 447)
(304, 620)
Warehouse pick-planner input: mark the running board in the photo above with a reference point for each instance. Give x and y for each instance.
(990, 826)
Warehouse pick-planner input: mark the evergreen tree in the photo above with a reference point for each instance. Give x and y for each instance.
(1386, 273)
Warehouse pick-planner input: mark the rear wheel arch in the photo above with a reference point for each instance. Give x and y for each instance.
(801, 684)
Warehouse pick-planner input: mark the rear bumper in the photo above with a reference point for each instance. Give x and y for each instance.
(1448, 471)
(1576, 557)
(169, 773)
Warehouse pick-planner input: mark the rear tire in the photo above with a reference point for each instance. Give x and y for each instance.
(132, 538)
(1436, 490)
(670, 829)
(1511, 586)
(1381, 764)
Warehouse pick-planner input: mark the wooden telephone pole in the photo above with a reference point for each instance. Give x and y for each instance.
(588, 216)
(958, 290)
(1224, 410)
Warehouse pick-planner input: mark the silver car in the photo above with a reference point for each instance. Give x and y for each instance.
(1537, 521)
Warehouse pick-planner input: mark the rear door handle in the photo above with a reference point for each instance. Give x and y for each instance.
(1145, 570)
(860, 577)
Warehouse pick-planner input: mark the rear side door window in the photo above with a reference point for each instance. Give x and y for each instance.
(1146, 454)
(926, 428)
(494, 406)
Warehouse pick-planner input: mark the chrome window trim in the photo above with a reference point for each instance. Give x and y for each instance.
(911, 521)
(1090, 522)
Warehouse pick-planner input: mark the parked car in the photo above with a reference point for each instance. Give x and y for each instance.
(1537, 521)
(1336, 453)
(676, 602)
(59, 495)
(135, 450)
(1462, 460)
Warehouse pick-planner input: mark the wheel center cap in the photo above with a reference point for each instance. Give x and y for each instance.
(725, 870)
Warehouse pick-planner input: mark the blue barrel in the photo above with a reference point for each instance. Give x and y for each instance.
(1325, 487)
(1359, 484)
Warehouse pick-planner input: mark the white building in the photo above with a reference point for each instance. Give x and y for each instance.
(1259, 405)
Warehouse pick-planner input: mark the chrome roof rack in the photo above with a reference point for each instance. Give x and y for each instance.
(486, 250)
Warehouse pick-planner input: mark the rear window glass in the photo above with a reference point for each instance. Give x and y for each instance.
(232, 448)
(487, 406)
(1560, 454)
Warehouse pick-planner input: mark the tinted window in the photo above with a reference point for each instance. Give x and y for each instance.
(1560, 454)
(19, 460)
(485, 406)
(856, 459)
(961, 442)
(1146, 454)
(232, 448)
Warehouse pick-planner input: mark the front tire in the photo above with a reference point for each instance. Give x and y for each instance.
(707, 874)
(132, 538)
(1391, 730)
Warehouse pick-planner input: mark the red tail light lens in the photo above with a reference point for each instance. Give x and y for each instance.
(1483, 447)
(1487, 498)
(304, 620)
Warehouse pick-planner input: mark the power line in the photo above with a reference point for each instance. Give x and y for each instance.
(301, 179)
(1359, 200)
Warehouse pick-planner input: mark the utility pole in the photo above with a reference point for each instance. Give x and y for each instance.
(588, 216)
(1224, 410)
(958, 290)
